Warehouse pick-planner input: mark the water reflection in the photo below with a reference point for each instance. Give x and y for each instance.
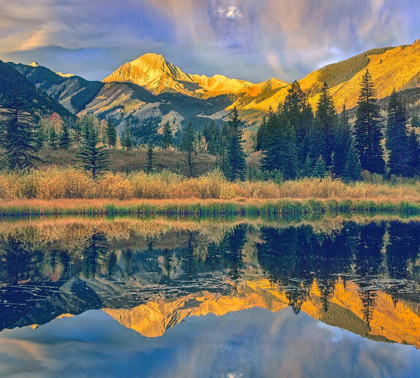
(361, 277)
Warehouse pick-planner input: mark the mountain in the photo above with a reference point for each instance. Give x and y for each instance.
(157, 75)
(73, 92)
(11, 81)
(149, 91)
(390, 323)
(390, 67)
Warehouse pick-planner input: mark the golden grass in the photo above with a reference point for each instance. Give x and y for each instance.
(72, 183)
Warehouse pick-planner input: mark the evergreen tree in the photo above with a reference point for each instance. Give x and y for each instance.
(415, 121)
(221, 161)
(342, 144)
(150, 157)
(167, 136)
(367, 130)
(111, 133)
(280, 148)
(352, 168)
(326, 122)
(211, 134)
(65, 139)
(320, 169)
(307, 170)
(299, 114)
(18, 135)
(39, 137)
(127, 140)
(52, 138)
(400, 158)
(261, 135)
(315, 144)
(187, 145)
(415, 152)
(236, 167)
(94, 158)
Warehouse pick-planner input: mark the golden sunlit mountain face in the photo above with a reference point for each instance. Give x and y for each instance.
(156, 74)
(390, 321)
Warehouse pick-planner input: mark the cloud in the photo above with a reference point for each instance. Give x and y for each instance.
(247, 39)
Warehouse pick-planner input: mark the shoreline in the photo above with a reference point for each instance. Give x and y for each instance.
(239, 207)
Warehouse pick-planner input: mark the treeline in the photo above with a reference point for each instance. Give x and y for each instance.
(295, 141)
(22, 137)
(298, 142)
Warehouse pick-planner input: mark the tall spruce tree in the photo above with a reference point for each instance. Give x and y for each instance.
(167, 136)
(111, 134)
(326, 121)
(320, 169)
(342, 144)
(415, 152)
(299, 114)
(127, 140)
(221, 160)
(352, 168)
(400, 157)
(94, 157)
(187, 145)
(65, 139)
(150, 158)
(18, 134)
(261, 135)
(367, 129)
(280, 148)
(52, 138)
(415, 121)
(236, 167)
(315, 145)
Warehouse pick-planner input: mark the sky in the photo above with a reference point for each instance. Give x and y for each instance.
(245, 39)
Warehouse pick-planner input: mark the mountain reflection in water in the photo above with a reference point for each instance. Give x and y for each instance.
(334, 277)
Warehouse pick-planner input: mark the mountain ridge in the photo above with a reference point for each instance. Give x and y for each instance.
(179, 98)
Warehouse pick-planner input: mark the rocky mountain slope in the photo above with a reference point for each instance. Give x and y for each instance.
(35, 100)
(149, 91)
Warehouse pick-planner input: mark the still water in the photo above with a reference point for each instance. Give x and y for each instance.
(160, 298)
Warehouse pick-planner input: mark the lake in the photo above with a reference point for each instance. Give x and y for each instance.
(95, 297)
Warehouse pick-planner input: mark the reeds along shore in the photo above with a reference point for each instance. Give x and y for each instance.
(72, 183)
(71, 191)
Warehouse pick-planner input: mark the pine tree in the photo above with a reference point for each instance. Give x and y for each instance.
(352, 168)
(415, 152)
(315, 143)
(326, 122)
(52, 138)
(150, 157)
(127, 140)
(367, 130)
(111, 133)
(261, 135)
(236, 167)
(280, 147)
(299, 114)
(415, 121)
(187, 145)
(94, 158)
(39, 136)
(167, 136)
(65, 139)
(18, 135)
(307, 169)
(400, 158)
(320, 169)
(342, 144)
